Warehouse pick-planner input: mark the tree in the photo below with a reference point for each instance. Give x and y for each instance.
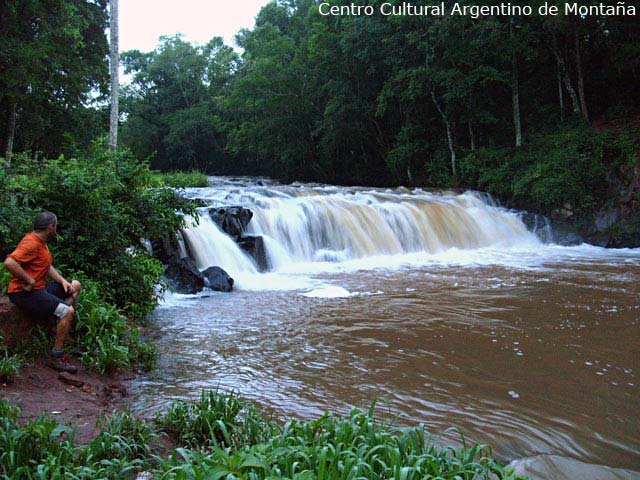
(174, 105)
(443, 71)
(114, 56)
(515, 86)
(52, 54)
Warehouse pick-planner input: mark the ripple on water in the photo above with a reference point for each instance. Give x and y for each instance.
(534, 361)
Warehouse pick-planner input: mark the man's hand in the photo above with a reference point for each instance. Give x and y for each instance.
(68, 289)
(28, 286)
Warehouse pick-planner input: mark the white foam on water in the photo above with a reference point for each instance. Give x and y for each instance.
(172, 299)
(328, 292)
(273, 281)
(519, 257)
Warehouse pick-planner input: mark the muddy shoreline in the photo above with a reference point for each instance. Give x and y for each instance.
(39, 390)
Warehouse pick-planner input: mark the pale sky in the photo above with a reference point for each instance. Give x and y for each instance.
(142, 22)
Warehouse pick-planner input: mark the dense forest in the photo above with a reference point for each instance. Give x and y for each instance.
(541, 111)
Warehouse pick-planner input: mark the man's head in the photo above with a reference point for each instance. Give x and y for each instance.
(45, 224)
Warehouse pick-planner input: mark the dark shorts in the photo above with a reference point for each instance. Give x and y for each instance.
(42, 304)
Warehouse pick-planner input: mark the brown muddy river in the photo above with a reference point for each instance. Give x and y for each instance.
(532, 348)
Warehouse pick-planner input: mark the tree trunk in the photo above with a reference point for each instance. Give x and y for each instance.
(564, 73)
(560, 96)
(11, 132)
(114, 65)
(583, 100)
(447, 124)
(515, 90)
(472, 136)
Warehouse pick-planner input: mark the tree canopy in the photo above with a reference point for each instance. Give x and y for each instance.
(348, 99)
(375, 99)
(53, 54)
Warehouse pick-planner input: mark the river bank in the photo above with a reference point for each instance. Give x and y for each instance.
(78, 400)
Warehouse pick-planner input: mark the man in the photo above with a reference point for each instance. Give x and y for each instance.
(30, 264)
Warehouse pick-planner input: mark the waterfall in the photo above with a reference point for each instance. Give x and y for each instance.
(210, 246)
(330, 224)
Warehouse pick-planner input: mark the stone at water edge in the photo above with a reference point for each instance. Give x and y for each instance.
(217, 279)
(254, 246)
(184, 277)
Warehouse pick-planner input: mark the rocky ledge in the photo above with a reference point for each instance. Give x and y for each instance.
(15, 326)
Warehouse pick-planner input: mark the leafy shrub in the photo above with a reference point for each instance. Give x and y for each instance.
(571, 166)
(107, 342)
(106, 205)
(5, 278)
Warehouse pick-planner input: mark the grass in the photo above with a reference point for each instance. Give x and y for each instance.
(181, 179)
(9, 366)
(219, 436)
(216, 419)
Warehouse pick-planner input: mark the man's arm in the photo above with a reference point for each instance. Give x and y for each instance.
(18, 272)
(56, 277)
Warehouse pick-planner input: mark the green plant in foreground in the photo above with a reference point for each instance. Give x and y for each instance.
(357, 446)
(9, 366)
(107, 341)
(216, 419)
(122, 436)
(23, 448)
(227, 439)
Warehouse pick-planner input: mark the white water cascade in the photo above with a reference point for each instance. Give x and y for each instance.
(210, 247)
(319, 224)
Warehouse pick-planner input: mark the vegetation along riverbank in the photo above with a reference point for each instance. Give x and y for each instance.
(220, 436)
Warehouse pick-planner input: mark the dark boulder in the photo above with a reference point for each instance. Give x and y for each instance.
(538, 225)
(183, 276)
(254, 246)
(166, 249)
(181, 272)
(217, 279)
(231, 220)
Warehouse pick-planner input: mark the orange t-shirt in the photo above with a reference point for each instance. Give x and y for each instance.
(34, 257)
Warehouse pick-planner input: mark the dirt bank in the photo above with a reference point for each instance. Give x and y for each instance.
(39, 389)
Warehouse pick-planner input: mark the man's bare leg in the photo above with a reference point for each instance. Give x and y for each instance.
(64, 325)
